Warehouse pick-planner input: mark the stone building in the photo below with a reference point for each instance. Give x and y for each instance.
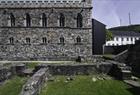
(42, 29)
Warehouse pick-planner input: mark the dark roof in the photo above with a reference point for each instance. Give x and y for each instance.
(135, 27)
(125, 33)
(98, 21)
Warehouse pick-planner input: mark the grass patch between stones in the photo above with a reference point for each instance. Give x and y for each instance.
(32, 65)
(84, 85)
(12, 86)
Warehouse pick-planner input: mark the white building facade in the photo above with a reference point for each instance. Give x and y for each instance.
(123, 38)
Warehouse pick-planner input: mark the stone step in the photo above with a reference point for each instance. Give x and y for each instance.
(126, 74)
(29, 72)
(132, 83)
(125, 68)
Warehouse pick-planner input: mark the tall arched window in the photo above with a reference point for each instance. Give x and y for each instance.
(62, 20)
(44, 20)
(79, 20)
(44, 40)
(78, 39)
(12, 20)
(28, 20)
(11, 40)
(62, 39)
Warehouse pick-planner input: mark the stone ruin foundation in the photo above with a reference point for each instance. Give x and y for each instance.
(34, 84)
(43, 71)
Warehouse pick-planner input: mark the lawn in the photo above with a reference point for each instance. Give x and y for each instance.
(84, 85)
(12, 86)
(32, 65)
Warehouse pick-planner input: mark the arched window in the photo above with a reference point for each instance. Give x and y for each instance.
(79, 20)
(11, 40)
(44, 20)
(62, 39)
(28, 20)
(62, 20)
(44, 40)
(28, 40)
(78, 39)
(12, 19)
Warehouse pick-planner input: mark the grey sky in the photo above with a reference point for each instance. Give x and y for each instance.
(110, 12)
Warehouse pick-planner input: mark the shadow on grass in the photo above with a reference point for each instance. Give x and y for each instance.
(134, 90)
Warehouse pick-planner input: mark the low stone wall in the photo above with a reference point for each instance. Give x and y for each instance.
(121, 57)
(115, 49)
(133, 58)
(34, 84)
(76, 69)
(120, 70)
(93, 58)
(4, 73)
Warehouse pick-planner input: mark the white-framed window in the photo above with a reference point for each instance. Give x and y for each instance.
(117, 38)
(122, 39)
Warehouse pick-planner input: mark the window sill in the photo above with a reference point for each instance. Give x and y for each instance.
(61, 43)
(78, 44)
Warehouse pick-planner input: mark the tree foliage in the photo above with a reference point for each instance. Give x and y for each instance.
(109, 35)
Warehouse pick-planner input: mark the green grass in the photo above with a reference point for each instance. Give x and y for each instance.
(12, 86)
(109, 56)
(32, 65)
(83, 85)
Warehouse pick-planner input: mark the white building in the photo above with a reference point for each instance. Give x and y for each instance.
(123, 38)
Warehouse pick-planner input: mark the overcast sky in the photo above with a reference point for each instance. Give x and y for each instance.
(110, 12)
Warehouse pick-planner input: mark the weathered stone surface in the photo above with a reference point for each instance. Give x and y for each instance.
(121, 71)
(20, 68)
(122, 57)
(48, 3)
(36, 50)
(133, 58)
(4, 74)
(28, 72)
(76, 69)
(93, 58)
(34, 84)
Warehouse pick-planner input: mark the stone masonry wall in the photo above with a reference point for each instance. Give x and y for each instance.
(77, 69)
(133, 58)
(36, 50)
(4, 73)
(35, 83)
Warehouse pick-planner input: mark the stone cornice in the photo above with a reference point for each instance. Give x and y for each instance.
(44, 27)
(47, 8)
